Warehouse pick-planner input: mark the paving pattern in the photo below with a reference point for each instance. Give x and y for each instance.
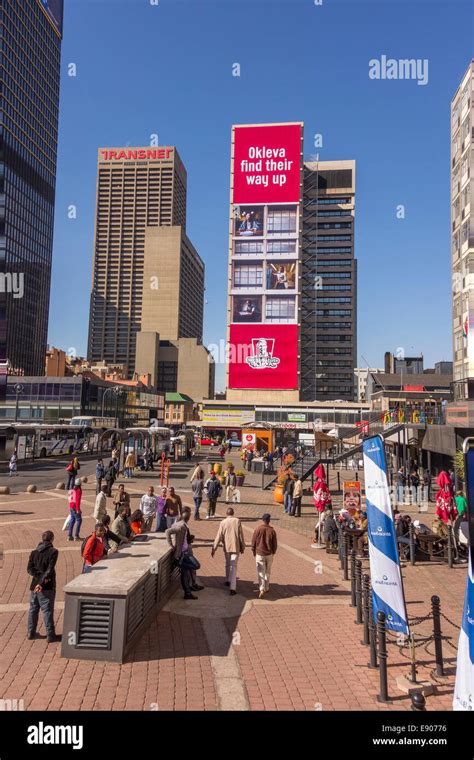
(297, 649)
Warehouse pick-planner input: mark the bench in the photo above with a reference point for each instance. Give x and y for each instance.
(427, 542)
(107, 610)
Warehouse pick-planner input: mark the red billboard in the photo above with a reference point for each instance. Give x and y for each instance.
(263, 356)
(267, 164)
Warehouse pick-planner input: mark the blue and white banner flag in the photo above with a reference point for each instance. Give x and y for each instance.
(464, 687)
(387, 585)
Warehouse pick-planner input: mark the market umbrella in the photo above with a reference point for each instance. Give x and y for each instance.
(445, 504)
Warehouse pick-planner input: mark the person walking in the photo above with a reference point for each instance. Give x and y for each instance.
(264, 547)
(148, 507)
(99, 475)
(197, 488)
(13, 464)
(296, 499)
(174, 507)
(230, 484)
(288, 489)
(130, 464)
(120, 498)
(182, 556)
(415, 483)
(250, 456)
(109, 477)
(42, 568)
(72, 472)
(100, 506)
(427, 484)
(401, 480)
(231, 536)
(75, 497)
(212, 489)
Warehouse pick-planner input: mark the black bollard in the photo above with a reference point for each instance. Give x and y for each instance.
(353, 578)
(411, 538)
(346, 557)
(418, 701)
(450, 546)
(340, 544)
(338, 480)
(366, 608)
(372, 635)
(358, 590)
(438, 641)
(383, 655)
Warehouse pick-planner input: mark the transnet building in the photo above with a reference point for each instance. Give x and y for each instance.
(292, 273)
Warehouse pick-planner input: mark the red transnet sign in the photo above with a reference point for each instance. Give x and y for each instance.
(263, 356)
(267, 164)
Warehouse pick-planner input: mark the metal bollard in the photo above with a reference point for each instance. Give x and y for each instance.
(372, 635)
(358, 591)
(418, 701)
(438, 641)
(383, 655)
(411, 538)
(450, 546)
(353, 578)
(346, 557)
(366, 607)
(340, 544)
(338, 480)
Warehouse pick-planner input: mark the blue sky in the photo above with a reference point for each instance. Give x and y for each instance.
(167, 69)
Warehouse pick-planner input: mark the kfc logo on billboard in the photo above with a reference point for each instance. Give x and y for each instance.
(267, 162)
(263, 356)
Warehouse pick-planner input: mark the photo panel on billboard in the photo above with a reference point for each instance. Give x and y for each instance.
(247, 309)
(280, 308)
(248, 221)
(263, 356)
(267, 164)
(281, 275)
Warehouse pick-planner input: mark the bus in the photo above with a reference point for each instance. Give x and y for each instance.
(102, 423)
(56, 440)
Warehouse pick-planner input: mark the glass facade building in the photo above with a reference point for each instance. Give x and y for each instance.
(30, 48)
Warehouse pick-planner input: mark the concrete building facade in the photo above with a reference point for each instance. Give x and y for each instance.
(462, 249)
(148, 279)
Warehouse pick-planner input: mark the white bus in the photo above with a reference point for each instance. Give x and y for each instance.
(56, 440)
(103, 423)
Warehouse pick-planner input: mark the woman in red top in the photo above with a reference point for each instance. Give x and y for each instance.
(136, 521)
(75, 497)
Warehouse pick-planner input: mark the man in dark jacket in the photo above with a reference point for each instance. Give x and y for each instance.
(264, 547)
(183, 554)
(41, 566)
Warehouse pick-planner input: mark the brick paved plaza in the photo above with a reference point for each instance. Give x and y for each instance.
(297, 649)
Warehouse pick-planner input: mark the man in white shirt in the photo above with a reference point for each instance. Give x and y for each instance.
(148, 506)
(100, 506)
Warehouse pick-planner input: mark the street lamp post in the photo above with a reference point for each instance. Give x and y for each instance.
(18, 391)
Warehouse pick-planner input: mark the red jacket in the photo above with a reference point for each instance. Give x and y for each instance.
(94, 550)
(75, 496)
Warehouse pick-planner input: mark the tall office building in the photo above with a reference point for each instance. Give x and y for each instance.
(292, 308)
(148, 279)
(30, 38)
(329, 282)
(462, 248)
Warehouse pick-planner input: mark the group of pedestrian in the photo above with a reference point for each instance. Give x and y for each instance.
(292, 495)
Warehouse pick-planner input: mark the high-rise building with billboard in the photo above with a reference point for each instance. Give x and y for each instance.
(292, 307)
(461, 412)
(30, 36)
(148, 279)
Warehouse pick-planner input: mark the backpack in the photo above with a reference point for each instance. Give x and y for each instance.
(84, 542)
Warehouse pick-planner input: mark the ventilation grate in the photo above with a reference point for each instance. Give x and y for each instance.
(95, 624)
